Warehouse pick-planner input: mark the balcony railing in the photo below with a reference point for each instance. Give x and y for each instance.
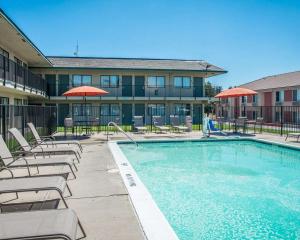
(19, 76)
(136, 91)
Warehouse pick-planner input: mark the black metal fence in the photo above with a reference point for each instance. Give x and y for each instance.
(275, 119)
(98, 119)
(19, 76)
(43, 117)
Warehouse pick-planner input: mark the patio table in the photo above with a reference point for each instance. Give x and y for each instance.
(86, 124)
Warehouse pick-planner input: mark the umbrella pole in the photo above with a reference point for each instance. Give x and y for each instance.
(85, 110)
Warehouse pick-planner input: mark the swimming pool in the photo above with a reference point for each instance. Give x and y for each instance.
(224, 189)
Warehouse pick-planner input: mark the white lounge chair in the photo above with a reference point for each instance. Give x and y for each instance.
(138, 124)
(49, 140)
(175, 123)
(26, 162)
(44, 224)
(34, 184)
(158, 124)
(42, 149)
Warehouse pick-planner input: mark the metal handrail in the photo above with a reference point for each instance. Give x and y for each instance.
(121, 130)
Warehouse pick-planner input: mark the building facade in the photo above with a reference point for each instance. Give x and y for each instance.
(136, 86)
(277, 98)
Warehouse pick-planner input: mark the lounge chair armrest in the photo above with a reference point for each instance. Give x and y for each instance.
(50, 137)
(7, 169)
(23, 152)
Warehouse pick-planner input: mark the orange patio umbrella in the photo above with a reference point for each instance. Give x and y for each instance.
(84, 91)
(235, 92)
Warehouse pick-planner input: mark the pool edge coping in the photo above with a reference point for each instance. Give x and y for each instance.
(153, 222)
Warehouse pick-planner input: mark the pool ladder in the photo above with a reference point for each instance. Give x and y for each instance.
(113, 124)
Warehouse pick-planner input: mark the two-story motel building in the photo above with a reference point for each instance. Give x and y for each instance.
(135, 85)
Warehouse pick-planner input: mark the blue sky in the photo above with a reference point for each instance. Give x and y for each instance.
(249, 38)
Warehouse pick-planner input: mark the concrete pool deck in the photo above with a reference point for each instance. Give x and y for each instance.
(100, 198)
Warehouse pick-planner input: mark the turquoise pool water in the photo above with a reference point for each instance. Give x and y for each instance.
(222, 189)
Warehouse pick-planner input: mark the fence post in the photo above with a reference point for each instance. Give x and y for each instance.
(281, 120)
(23, 122)
(3, 122)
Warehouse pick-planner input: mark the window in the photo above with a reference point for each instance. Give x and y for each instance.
(279, 96)
(244, 99)
(254, 98)
(182, 82)
(156, 81)
(296, 95)
(4, 100)
(110, 110)
(81, 109)
(5, 55)
(82, 80)
(182, 109)
(109, 81)
(18, 101)
(18, 61)
(156, 109)
(296, 117)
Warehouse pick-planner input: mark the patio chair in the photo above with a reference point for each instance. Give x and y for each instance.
(158, 124)
(43, 224)
(212, 129)
(42, 149)
(34, 184)
(138, 124)
(259, 122)
(175, 123)
(49, 140)
(241, 123)
(68, 123)
(23, 162)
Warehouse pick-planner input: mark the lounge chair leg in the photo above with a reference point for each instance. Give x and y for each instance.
(75, 167)
(82, 230)
(76, 157)
(72, 171)
(286, 137)
(63, 199)
(37, 168)
(69, 190)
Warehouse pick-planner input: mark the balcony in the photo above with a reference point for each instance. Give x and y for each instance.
(137, 92)
(18, 77)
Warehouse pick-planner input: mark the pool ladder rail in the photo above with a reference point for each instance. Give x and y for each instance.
(113, 124)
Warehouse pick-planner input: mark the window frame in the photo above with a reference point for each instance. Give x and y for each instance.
(162, 106)
(109, 79)
(296, 95)
(183, 106)
(81, 111)
(156, 85)
(280, 96)
(81, 78)
(182, 82)
(110, 112)
(5, 55)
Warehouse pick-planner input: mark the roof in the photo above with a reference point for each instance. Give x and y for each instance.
(276, 81)
(20, 39)
(133, 63)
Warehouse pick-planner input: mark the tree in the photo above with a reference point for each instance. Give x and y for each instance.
(211, 90)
